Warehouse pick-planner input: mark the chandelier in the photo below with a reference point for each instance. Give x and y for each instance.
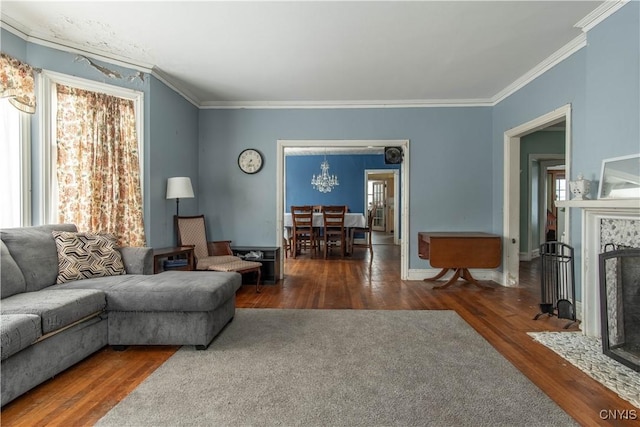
(324, 182)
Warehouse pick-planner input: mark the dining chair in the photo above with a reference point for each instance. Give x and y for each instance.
(317, 209)
(367, 231)
(334, 231)
(302, 230)
(215, 255)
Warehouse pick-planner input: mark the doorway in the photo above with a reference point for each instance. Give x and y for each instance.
(382, 191)
(555, 188)
(346, 144)
(511, 189)
(540, 219)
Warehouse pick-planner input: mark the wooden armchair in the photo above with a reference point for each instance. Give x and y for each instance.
(216, 255)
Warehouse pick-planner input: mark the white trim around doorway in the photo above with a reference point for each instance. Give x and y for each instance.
(404, 178)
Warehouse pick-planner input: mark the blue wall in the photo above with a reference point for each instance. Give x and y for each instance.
(350, 172)
(174, 136)
(612, 86)
(449, 173)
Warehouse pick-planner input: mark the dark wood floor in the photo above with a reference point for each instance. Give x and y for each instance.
(503, 316)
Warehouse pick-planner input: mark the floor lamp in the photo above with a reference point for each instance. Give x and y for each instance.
(179, 187)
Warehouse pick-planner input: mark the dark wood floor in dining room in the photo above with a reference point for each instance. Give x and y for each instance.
(84, 393)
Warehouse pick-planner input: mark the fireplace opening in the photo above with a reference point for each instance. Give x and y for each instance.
(620, 304)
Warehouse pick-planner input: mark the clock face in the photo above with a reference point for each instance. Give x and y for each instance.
(250, 161)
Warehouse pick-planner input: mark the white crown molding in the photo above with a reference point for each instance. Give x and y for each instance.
(70, 47)
(554, 59)
(14, 27)
(587, 23)
(21, 31)
(599, 14)
(406, 103)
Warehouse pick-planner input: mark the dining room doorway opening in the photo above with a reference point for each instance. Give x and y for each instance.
(401, 209)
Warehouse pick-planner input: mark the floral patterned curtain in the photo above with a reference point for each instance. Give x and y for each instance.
(17, 83)
(97, 164)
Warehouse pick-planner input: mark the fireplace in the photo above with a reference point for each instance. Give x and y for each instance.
(620, 304)
(614, 221)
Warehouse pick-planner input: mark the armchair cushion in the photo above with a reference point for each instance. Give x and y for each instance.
(209, 261)
(235, 265)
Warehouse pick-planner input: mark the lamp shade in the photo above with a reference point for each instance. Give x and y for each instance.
(179, 187)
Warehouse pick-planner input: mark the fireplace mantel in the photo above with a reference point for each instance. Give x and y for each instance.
(593, 213)
(600, 204)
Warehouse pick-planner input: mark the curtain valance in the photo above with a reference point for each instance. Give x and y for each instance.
(17, 83)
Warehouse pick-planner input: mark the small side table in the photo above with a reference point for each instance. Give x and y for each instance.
(270, 271)
(177, 253)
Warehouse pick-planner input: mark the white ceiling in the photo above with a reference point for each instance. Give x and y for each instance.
(304, 53)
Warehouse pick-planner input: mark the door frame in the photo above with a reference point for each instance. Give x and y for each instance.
(396, 191)
(404, 177)
(511, 187)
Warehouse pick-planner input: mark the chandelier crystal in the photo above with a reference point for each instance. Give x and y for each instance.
(324, 182)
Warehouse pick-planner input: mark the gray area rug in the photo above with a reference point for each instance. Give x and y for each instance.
(339, 368)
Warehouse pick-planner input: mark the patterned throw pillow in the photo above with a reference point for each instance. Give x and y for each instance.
(86, 255)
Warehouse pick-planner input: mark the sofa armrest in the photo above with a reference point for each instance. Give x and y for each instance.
(137, 260)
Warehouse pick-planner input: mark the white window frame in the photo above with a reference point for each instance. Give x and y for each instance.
(24, 136)
(47, 86)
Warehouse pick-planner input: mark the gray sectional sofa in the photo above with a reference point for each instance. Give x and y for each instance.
(48, 327)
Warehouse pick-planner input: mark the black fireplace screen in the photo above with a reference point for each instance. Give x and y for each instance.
(620, 305)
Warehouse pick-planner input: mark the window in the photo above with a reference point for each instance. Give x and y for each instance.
(15, 171)
(93, 156)
(560, 187)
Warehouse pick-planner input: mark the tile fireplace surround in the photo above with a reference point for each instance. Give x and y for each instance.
(615, 221)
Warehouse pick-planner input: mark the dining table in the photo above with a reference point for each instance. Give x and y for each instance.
(351, 220)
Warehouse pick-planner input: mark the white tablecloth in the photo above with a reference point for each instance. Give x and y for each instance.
(350, 220)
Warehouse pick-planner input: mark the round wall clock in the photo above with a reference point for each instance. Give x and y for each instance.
(250, 161)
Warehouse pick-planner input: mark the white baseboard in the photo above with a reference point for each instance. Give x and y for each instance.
(524, 256)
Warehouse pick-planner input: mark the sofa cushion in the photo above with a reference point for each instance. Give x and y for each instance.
(167, 291)
(87, 255)
(18, 331)
(11, 278)
(57, 308)
(34, 250)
